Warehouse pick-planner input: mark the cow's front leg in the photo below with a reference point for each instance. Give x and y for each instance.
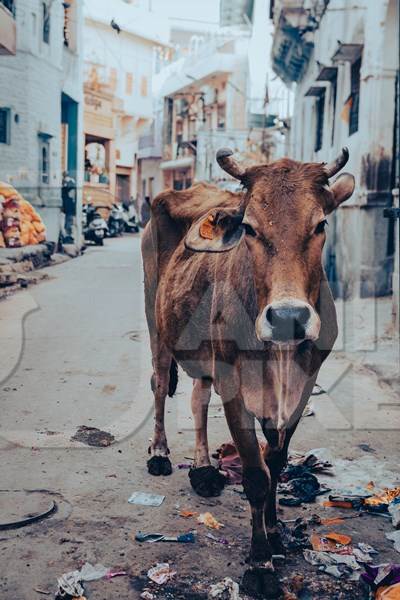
(256, 477)
(275, 456)
(276, 461)
(205, 479)
(159, 463)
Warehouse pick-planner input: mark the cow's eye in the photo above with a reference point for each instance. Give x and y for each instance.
(320, 228)
(249, 230)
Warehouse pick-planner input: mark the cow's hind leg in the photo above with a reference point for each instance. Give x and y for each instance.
(205, 479)
(159, 463)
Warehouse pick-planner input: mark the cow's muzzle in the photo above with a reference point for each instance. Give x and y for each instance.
(288, 321)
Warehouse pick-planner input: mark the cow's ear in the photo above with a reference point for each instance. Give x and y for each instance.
(218, 231)
(342, 188)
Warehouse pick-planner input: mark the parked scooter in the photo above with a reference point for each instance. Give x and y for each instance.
(93, 225)
(130, 222)
(116, 223)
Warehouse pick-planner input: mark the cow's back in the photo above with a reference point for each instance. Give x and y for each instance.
(170, 269)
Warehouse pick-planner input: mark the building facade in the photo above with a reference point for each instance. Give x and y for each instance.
(41, 104)
(120, 43)
(342, 59)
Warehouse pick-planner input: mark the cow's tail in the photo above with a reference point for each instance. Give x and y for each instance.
(173, 378)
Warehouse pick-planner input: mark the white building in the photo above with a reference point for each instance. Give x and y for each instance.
(219, 91)
(342, 58)
(120, 41)
(41, 104)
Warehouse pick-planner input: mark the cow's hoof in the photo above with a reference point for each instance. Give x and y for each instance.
(207, 481)
(275, 542)
(159, 465)
(261, 582)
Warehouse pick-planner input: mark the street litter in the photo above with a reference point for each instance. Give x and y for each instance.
(299, 480)
(331, 543)
(161, 573)
(209, 521)
(333, 564)
(388, 593)
(227, 589)
(333, 521)
(394, 537)
(184, 538)
(309, 409)
(394, 511)
(186, 514)
(382, 576)
(70, 584)
(294, 537)
(111, 574)
(229, 463)
(145, 499)
(146, 595)
(223, 541)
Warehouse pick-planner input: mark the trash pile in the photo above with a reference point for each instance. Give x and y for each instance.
(299, 480)
(20, 224)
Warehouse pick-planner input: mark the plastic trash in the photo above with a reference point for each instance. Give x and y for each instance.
(161, 573)
(145, 499)
(345, 564)
(394, 511)
(209, 521)
(395, 537)
(185, 538)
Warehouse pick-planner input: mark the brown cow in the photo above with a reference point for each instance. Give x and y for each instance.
(237, 295)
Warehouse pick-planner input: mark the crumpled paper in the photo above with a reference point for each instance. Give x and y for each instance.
(161, 573)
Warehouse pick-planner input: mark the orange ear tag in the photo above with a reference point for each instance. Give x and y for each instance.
(207, 228)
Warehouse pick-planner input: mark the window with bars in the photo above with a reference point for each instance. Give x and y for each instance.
(5, 125)
(355, 96)
(319, 124)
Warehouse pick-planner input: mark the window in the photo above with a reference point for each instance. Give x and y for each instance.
(319, 125)
(143, 87)
(46, 23)
(5, 122)
(113, 78)
(44, 161)
(129, 84)
(355, 96)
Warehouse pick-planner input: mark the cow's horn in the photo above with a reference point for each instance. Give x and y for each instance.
(229, 164)
(334, 167)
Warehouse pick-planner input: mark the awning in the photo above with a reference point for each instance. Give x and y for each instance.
(179, 163)
(347, 52)
(316, 91)
(327, 74)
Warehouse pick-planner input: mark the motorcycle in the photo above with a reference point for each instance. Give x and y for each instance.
(116, 224)
(94, 226)
(130, 222)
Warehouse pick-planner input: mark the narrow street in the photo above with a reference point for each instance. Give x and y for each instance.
(85, 362)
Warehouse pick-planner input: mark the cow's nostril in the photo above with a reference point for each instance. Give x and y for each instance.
(288, 322)
(303, 315)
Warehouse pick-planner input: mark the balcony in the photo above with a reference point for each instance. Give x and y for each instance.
(8, 31)
(295, 22)
(149, 145)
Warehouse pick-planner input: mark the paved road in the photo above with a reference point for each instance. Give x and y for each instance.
(80, 358)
